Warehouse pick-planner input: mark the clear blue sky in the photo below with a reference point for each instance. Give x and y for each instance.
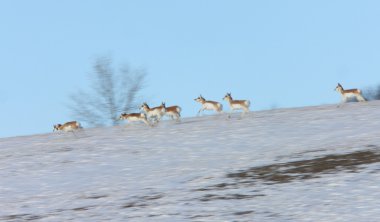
(275, 53)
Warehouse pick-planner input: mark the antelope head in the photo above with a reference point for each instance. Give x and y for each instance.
(144, 106)
(56, 127)
(227, 97)
(122, 116)
(200, 99)
(339, 88)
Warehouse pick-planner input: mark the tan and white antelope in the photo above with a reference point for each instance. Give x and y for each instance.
(349, 93)
(68, 127)
(135, 117)
(209, 105)
(237, 104)
(173, 111)
(155, 113)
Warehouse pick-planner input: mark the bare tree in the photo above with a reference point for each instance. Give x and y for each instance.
(110, 94)
(372, 93)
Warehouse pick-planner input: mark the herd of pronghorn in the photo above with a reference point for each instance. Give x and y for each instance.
(151, 116)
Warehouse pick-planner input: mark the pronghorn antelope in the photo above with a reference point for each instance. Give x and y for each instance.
(237, 104)
(135, 117)
(173, 111)
(349, 93)
(156, 113)
(68, 127)
(209, 105)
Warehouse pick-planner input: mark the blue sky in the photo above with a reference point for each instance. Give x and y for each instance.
(275, 53)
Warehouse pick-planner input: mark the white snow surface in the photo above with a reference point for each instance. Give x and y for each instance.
(207, 168)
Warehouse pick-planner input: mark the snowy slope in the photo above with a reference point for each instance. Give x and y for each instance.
(305, 164)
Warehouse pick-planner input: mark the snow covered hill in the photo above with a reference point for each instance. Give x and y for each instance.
(317, 163)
